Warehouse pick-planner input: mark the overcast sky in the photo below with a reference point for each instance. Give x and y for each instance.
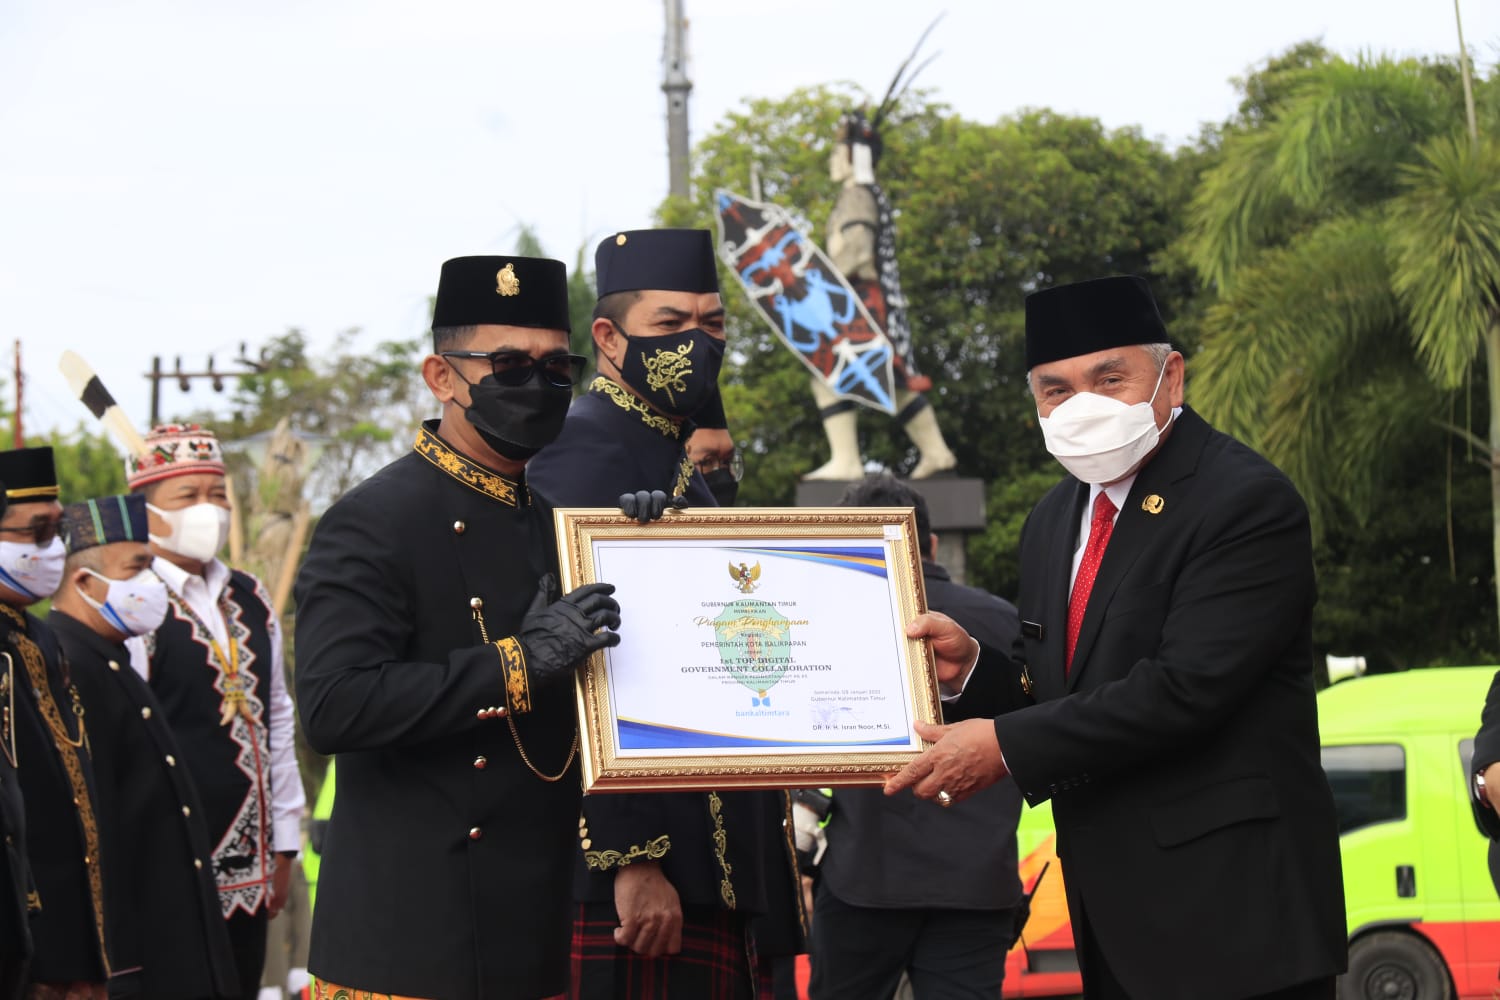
(180, 177)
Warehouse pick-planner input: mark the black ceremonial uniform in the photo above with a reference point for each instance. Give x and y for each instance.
(726, 850)
(57, 782)
(15, 876)
(442, 858)
(166, 936)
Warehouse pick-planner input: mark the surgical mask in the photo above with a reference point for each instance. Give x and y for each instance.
(31, 570)
(197, 532)
(1100, 439)
(676, 372)
(723, 485)
(134, 606)
(516, 420)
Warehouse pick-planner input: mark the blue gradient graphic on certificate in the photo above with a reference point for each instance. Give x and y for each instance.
(763, 649)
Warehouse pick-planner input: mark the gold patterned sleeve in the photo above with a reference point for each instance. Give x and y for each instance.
(513, 668)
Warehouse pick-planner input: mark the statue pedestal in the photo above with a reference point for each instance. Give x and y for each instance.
(956, 507)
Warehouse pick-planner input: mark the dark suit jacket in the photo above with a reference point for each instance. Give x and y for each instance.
(1487, 752)
(1181, 751)
(446, 860)
(898, 851)
(166, 936)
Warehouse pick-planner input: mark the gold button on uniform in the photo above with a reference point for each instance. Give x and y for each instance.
(459, 527)
(480, 762)
(198, 863)
(114, 666)
(146, 712)
(475, 833)
(476, 603)
(171, 761)
(186, 811)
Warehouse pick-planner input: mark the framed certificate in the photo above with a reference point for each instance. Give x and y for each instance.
(759, 648)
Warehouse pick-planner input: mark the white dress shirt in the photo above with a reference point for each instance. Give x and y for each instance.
(201, 594)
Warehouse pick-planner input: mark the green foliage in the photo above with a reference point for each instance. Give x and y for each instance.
(88, 463)
(1352, 231)
(987, 212)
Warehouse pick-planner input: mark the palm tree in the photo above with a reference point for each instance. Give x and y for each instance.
(1352, 235)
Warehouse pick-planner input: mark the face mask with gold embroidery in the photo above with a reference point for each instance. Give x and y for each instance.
(674, 373)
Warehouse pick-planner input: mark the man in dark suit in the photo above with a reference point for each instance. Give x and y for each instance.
(676, 891)
(1166, 645)
(1485, 785)
(905, 887)
(166, 936)
(436, 660)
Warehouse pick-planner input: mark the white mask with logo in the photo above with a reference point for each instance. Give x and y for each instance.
(30, 570)
(135, 606)
(1100, 439)
(197, 532)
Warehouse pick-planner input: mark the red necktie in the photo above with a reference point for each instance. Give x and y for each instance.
(1099, 529)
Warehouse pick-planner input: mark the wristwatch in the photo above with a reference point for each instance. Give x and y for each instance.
(1480, 791)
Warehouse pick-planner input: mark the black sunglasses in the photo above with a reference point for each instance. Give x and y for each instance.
(41, 529)
(517, 367)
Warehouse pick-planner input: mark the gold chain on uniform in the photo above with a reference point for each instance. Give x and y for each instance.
(67, 749)
(510, 720)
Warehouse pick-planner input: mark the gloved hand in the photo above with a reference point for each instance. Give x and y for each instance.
(650, 505)
(557, 635)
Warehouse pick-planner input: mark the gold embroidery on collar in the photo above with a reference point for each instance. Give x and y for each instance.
(721, 840)
(625, 401)
(603, 861)
(471, 474)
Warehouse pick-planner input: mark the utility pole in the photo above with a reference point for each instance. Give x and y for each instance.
(677, 86)
(185, 379)
(20, 437)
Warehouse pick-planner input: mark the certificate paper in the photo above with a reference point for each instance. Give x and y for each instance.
(758, 648)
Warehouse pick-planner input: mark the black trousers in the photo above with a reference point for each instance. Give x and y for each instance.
(1099, 981)
(859, 953)
(247, 940)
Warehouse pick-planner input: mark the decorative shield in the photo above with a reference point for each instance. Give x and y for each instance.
(808, 302)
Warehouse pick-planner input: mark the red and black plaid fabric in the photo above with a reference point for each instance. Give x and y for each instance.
(714, 963)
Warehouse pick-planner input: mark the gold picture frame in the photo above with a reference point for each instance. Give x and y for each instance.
(760, 647)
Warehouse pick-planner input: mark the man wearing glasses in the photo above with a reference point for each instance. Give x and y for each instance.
(668, 883)
(718, 461)
(435, 659)
(46, 741)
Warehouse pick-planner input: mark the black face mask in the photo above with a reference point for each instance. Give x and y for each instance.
(675, 373)
(516, 420)
(723, 485)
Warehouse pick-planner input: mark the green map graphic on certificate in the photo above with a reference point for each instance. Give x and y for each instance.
(796, 645)
(754, 643)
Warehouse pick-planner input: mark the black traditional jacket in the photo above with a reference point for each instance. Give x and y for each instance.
(728, 850)
(447, 855)
(165, 934)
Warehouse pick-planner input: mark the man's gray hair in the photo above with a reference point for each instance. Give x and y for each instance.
(1157, 352)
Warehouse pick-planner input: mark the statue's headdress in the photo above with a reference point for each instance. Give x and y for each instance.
(858, 128)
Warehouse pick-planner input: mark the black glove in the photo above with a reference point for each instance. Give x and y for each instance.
(558, 634)
(647, 506)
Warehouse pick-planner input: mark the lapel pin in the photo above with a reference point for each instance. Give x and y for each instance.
(1153, 504)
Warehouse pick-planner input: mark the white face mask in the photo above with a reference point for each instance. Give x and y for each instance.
(198, 532)
(1100, 439)
(31, 571)
(134, 606)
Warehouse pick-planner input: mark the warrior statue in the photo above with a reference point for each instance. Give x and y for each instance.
(862, 246)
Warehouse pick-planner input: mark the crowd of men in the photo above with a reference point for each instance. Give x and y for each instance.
(1154, 680)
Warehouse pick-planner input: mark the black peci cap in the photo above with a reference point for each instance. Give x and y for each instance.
(29, 475)
(669, 260)
(506, 291)
(1067, 321)
(104, 521)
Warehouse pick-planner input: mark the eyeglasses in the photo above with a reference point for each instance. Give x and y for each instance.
(41, 530)
(517, 367)
(712, 463)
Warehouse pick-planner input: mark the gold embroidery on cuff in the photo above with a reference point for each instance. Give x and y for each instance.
(513, 662)
(603, 861)
(721, 840)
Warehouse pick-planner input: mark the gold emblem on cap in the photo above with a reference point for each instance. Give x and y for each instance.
(506, 282)
(1153, 504)
(620, 240)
